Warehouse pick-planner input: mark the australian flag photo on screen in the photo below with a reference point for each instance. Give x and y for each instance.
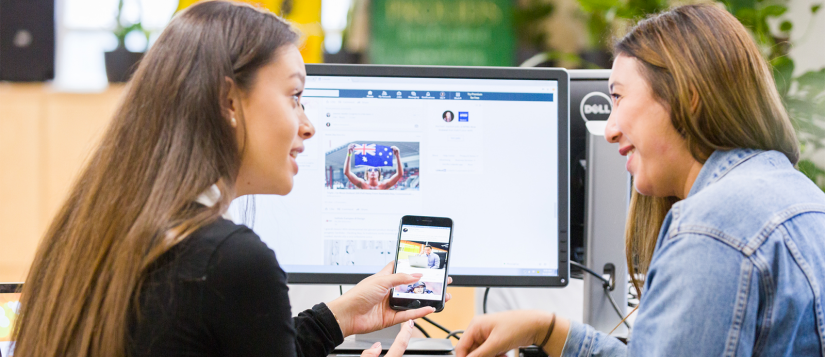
(372, 155)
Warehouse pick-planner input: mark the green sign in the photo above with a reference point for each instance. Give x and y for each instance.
(442, 32)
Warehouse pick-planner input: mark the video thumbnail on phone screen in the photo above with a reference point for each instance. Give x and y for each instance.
(424, 250)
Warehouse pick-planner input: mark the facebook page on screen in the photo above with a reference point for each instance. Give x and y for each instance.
(423, 250)
(482, 152)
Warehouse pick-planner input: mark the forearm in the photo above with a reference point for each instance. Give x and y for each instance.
(558, 336)
(317, 331)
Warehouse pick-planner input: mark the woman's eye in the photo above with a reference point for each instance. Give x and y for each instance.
(615, 97)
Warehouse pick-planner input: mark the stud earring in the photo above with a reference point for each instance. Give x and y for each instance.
(234, 122)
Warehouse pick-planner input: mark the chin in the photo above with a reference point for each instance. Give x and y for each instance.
(283, 188)
(641, 187)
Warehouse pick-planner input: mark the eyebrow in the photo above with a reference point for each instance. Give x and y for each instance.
(614, 84)
(300, 76)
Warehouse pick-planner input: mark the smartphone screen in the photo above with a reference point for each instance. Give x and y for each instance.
(423, 247)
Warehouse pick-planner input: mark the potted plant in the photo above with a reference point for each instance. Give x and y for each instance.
(121, 63)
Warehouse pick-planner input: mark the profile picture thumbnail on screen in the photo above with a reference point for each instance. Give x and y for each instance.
(373, 165)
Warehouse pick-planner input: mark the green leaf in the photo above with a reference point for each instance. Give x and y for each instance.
(785, 26)
(814, 173)
(815, 8)
(774, 10)
(782, 73)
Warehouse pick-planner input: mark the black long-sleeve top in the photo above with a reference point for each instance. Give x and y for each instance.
(221, 292)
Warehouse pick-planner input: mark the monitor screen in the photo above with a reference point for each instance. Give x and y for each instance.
(490, 153)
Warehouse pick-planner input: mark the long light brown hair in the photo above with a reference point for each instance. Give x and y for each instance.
(169, 140)
(704, 67)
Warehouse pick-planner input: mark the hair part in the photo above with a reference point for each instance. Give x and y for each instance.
(704, 67)
(169, 140)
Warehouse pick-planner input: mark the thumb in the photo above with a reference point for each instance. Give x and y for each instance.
(373, 351)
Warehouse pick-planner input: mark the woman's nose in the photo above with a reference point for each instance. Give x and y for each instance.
(306, 130)
(611, 130)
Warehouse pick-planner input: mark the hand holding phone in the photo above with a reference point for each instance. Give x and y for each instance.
(423, 248)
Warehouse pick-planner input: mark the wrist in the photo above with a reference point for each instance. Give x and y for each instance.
(340, 317)
(540, 327)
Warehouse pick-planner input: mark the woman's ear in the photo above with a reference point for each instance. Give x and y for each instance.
(694, 100)
(231, 101)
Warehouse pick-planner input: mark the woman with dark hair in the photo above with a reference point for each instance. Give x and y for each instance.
(140, 260)
(727, 234)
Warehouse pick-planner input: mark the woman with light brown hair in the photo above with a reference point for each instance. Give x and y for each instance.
(140, 261)
(726, 233)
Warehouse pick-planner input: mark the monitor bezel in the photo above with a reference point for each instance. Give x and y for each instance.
(11, 288)
(563, 99)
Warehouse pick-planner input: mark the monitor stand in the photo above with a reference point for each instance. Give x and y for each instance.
(387, 336)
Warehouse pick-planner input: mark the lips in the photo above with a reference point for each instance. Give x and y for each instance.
(294, 152)
(624, 150)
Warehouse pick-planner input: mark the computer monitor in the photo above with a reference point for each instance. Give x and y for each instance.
(487, 147)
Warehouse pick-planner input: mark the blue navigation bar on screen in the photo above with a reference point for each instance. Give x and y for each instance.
(431, 95)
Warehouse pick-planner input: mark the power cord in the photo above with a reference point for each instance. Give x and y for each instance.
(442, 328)
(484, 304)
(421, 329)
(607, 286)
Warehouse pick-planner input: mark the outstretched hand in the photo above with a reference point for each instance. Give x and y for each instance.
(495, 334)
(366, 307)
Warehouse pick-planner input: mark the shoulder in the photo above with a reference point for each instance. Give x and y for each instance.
(222, 243)
(740, 206)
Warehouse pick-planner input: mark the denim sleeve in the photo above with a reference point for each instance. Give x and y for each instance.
(699, 300)
(583, 340)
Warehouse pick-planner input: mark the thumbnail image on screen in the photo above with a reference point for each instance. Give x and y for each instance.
(423, 250)
(372, 165)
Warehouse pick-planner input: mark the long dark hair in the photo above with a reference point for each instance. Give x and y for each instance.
(169, 140)
(702, 53)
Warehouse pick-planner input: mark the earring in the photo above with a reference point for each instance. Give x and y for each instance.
(234, 123)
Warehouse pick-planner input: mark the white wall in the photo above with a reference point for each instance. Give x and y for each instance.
(808, 35)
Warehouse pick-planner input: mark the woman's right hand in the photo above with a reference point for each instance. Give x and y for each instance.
(495, 334)
(399, 346)
(350, 148)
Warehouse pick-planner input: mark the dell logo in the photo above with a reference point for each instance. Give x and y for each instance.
(596, 109)
(595, 106)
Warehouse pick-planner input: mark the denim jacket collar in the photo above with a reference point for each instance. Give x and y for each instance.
(718, 165)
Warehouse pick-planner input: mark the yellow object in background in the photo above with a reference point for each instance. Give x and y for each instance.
(305, 15)
(8, 313)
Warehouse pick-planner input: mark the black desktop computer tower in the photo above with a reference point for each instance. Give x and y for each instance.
(27, 40)
(589, 101)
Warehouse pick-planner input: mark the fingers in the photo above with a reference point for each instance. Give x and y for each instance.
(448, 297)
(413, 314)
(373, 351)
(387, 270)
(468, 341)
(401, 341)
(449, 280)
(391, 280)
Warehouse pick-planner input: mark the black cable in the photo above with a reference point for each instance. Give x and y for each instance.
(442, 328)
(484, 305)
(421, 329)
(455, 334)
(606, 287)
(615, 306)
(582, 267)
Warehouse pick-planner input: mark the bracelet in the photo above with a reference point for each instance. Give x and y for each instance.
(549, 332)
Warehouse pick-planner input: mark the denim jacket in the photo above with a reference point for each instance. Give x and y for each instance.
(738, 268)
